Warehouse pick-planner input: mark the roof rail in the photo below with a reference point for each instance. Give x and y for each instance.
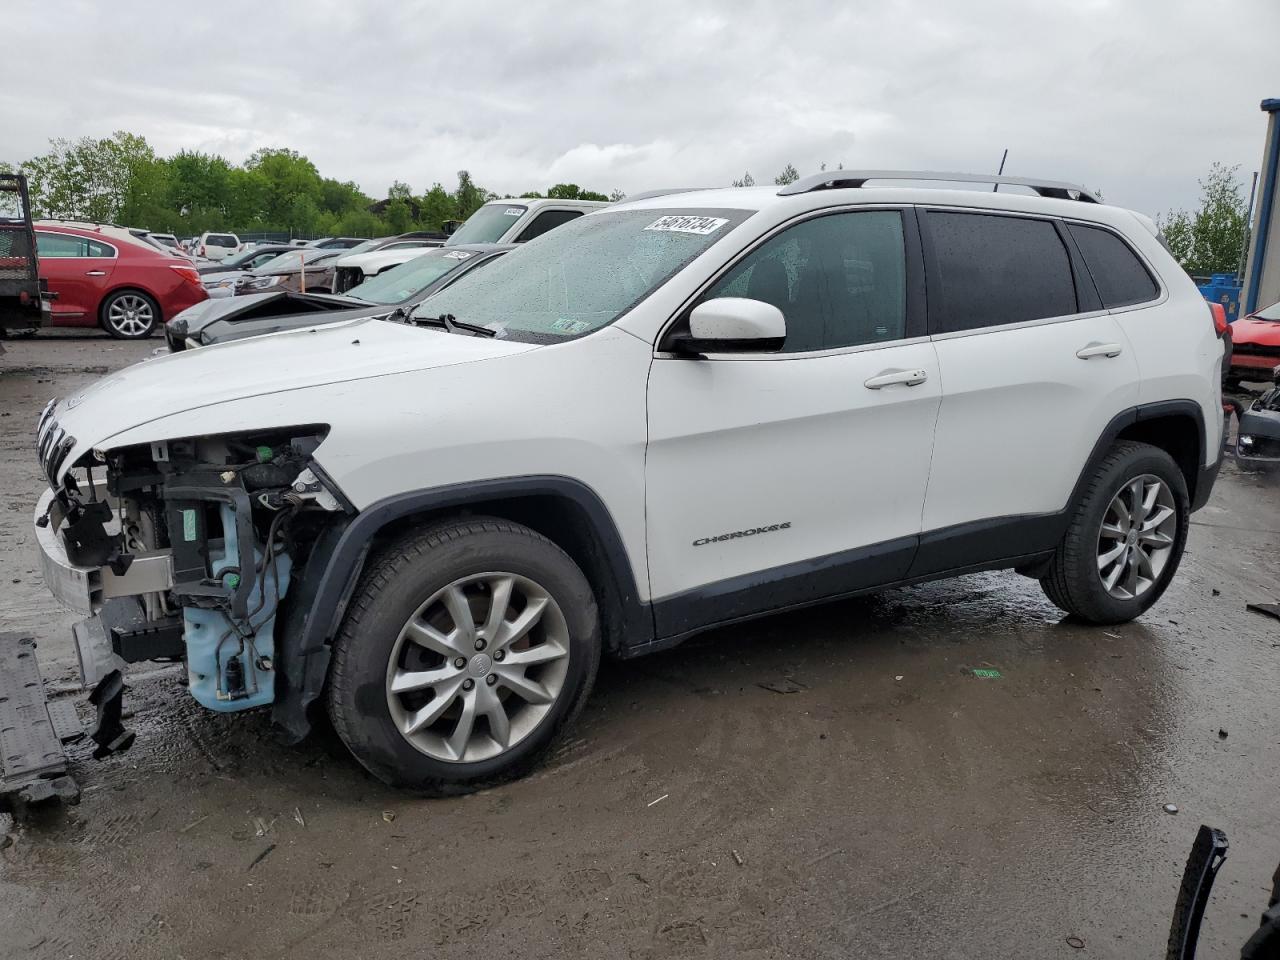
(840, 179)
(664, 192)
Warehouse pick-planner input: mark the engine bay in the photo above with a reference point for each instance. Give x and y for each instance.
(195, 544)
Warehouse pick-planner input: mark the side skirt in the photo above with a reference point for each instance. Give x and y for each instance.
(1002, 543)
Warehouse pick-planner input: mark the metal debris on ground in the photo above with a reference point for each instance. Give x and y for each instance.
(194, 823)
(659, 800)
(785, 685)
(737, 857)
(1170, 808)
(1075, 943)
(388, 815)
(1266, 609)
(986, 674)
(297, 815)
(1222, 733)
(260, 857)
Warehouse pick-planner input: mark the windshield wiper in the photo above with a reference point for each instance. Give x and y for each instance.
(451, 324)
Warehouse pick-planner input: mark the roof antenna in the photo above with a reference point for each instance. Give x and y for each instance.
(1000, 172)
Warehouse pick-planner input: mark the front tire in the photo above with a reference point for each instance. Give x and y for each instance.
(1125, 539)
(466, 650)
(130, 315)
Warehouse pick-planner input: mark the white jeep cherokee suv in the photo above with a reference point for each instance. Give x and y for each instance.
(674, 413)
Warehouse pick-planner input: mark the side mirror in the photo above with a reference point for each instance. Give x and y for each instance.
(732, 325)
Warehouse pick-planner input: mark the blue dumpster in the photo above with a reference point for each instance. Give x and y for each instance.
(1223, 288)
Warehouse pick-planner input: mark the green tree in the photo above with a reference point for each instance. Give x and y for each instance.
(616, 196)
(1210, 240)
(87, 179)
(468, 197)
(788, 175)
(398, 216)
(746, 180)
(399, 190)
(436, 207)
(287, 176)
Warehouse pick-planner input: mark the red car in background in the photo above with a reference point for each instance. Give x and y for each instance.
(1256, 351)
(103, 276)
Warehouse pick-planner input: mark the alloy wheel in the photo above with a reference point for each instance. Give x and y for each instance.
(477, 667)
(130, 315)
(1136, 539)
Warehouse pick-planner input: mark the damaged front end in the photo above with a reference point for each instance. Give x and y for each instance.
(186, 549)
(1258, 437)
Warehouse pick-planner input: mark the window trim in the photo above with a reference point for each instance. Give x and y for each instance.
(114, 255)
(1146, 264)
(916, 329)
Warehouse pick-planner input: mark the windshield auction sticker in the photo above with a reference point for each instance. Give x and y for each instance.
(698, 225)
(513, 211)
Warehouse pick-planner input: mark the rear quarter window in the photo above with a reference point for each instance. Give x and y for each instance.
(1120, 276)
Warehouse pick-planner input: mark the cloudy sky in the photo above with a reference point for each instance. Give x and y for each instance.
(1133, 97)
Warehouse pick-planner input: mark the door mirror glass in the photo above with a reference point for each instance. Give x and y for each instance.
(733, 325)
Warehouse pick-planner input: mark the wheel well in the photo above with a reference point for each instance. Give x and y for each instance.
(102, 304)
(1177, 434)
(567, 525)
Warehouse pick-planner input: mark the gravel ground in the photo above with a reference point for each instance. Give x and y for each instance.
(891, 804)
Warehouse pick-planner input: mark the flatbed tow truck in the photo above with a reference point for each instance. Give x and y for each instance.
(24, 297)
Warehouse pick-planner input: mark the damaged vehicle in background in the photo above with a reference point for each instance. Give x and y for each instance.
(217, 321)
(679, 412)
(1256, 348)
(365, 261)
(303, 269)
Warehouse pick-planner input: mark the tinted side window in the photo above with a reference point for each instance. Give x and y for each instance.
(995, 270)
(61, 245)
(839, 280)
(548, 220)
(96, 249)
(1117, 272)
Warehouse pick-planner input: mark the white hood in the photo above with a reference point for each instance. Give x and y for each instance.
(262, 366)
(378, 260)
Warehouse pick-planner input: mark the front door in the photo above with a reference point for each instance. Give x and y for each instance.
(780, 479)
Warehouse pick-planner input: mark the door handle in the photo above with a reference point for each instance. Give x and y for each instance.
(96, 273)
(889, 378)
(1095, 349)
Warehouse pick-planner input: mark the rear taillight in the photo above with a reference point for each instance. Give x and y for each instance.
(188, 274)
(1219, 318)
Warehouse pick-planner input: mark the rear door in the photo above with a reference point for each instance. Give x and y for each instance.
(78, 270)
(1033, 370)
(775, 479)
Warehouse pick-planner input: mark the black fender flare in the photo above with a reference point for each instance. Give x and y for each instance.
(339, 554)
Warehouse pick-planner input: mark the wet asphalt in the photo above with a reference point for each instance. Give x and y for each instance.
(835, 782)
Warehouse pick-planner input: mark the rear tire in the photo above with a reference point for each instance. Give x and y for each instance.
(129, 315)
(1125, 539)
(467, 648)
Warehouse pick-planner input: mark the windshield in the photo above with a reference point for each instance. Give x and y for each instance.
(1269, 313)
(488, 224)
(400, 283)
(582, 276)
